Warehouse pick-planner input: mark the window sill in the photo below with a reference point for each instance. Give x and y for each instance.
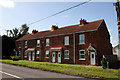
(82, 59)
(47, 57)
(66, 44)
(81, 43)
(66, 58)
(26, 47)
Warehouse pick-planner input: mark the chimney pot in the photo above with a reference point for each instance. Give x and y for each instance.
(34, 31)
(83, 22)
(54, 27)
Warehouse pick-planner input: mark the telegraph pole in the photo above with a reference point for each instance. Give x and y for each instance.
(117, 4)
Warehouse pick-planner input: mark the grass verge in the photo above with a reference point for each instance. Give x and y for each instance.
(80, 70)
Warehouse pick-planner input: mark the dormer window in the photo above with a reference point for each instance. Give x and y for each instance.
(66, 40)
(38, 43)
(47, 42)
(26, 44)
(81, 39)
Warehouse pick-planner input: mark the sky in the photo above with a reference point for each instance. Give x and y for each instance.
(15, 13)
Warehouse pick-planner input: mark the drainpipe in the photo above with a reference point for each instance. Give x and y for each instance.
(22, 50)
(74, 45)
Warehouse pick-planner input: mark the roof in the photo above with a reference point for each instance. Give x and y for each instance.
(64, 30)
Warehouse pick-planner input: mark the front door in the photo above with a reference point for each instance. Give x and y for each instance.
(29, 58)
(59, 57)
(92, 58)
(53, 57)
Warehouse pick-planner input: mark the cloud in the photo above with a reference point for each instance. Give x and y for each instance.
(114, 43)
(7, 3)
(109, 30)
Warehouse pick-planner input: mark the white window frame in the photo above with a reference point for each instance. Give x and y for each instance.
(67, 54)
(47, 42)
(26, 44)
(19, 44)
(38, 43)
(25, 54)
(46, 53)
(38, 53)
(81, 54)
(66, 40)
(81, 39)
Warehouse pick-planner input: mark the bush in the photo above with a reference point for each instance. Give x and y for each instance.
(104, 62)
(15, 58)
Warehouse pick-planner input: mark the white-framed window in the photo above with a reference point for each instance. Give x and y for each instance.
(81, 54)
(81, 39)
(26, 44)
(25, 54)
(47, 54)
(47, 42)
(19, 54)
(38, 43)
(66, 40)
(66, 54)
(38, 54)
(19, 44)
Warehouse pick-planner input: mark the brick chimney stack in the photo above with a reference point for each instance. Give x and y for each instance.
(83, 21)
(54, 27)
(34, 31)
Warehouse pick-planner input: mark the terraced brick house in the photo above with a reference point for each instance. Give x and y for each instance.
(84, 43)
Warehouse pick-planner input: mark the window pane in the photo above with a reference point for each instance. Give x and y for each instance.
(47, 42)
(66, 54)
(38, 42)
(81, 54)
(25, 54)
(47, 54)
(81, 39)
(66, 40)
(25, 43)
(37, 55)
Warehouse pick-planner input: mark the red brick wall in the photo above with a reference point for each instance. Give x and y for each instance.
(99, 39)
(104, 46)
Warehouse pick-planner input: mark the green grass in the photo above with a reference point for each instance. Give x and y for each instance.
(82, 70)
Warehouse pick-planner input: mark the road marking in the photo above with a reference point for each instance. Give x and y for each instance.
(10, 74)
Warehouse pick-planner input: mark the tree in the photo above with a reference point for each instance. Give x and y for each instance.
(17, 33)
(8, 42)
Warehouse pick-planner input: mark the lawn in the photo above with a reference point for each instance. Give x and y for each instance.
(80, 70)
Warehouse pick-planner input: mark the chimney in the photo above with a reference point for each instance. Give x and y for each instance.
(54, 27)
(34, 31)
(83, 22)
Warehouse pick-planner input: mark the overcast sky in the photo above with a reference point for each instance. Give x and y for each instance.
(14, 14)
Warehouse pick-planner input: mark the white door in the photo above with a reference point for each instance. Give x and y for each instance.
(53, 57)
(33, 56)
(59, 57)
(29, 55)
(92, 58)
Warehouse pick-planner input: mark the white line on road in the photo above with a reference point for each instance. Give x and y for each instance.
(10, 74)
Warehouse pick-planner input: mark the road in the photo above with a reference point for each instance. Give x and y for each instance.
(20, 73)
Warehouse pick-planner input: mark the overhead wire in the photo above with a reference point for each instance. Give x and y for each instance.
(60, 12)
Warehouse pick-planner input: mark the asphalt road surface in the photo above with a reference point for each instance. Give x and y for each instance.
(12, 72)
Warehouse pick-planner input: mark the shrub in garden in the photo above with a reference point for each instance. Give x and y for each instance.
(104, 62)
(15, 58)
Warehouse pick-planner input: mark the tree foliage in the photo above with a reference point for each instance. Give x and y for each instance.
(104, 62)
(8, 42)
